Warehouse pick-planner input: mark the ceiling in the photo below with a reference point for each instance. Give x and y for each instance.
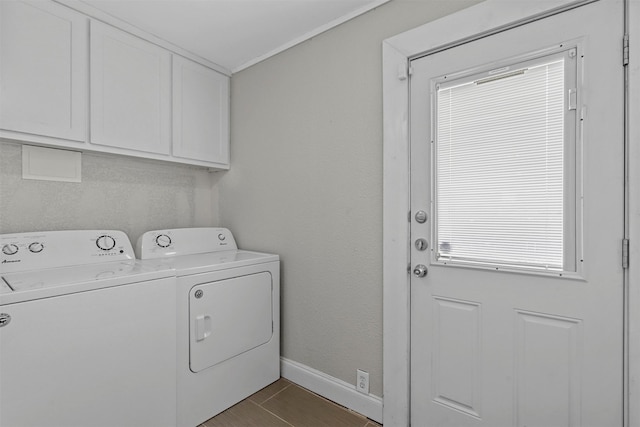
(234, 34)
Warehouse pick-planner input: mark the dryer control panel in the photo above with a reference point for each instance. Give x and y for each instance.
(184, 241)
(50, 249)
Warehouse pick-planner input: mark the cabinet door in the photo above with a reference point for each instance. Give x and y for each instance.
(43, 69)
(200, 112)
(130, 92)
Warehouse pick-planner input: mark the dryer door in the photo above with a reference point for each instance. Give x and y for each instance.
(229, 317)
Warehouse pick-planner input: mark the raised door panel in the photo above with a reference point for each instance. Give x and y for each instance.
(130, 92)
(43, 70)
(200, 113)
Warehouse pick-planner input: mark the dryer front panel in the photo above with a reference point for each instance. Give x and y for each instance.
(229, 317)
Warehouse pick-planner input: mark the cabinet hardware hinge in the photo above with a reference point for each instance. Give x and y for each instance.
(409, 216)
(625, 50)
(625, 253)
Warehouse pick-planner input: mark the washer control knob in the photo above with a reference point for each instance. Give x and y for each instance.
(36, 247)
(221, 237)
(163, 240)
(105, 242)
(9, 249)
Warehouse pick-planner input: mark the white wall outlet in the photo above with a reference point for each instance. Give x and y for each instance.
(362, 382)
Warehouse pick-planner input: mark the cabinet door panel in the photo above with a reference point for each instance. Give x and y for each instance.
(200, 112)
(130, 92)
(43, 69)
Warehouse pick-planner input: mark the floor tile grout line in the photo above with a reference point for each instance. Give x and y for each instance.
(317, 396)
(366, 422)
(341, 407)
(275, 394)
(268, 411)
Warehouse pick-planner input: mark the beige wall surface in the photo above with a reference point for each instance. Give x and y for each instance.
(116, 192)
(306, 183)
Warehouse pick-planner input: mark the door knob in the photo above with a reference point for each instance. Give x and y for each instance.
(420, 270)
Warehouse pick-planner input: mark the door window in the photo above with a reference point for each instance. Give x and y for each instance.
(505, 165)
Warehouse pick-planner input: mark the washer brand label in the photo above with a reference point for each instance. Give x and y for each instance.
(8, 261)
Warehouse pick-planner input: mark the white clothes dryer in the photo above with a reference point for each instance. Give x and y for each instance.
(87, 333)
(228, 307)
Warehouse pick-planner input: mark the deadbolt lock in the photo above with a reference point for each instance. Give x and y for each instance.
(421, 244)
(421, 217)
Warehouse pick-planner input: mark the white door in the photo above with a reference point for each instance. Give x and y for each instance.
(517, 162)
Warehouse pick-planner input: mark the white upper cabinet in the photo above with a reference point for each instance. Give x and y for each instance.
(43, 72)
(130, 92)
(200, 113)
(69, 80)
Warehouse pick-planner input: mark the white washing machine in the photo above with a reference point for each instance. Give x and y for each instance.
(87, 333)
(228, 317)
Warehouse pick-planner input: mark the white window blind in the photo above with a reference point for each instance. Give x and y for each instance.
(499, 192)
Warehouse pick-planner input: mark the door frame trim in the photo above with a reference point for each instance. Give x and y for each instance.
(483, 19)
(632, 135)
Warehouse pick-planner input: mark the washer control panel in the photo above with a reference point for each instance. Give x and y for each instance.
(184, 241)
(50, 249)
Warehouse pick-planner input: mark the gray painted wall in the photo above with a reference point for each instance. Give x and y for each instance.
(306, 182)
(116, 192)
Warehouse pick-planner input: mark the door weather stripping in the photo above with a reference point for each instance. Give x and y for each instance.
(625, 50)
(625, 253)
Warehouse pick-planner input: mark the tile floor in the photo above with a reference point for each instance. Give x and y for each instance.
(285, 404)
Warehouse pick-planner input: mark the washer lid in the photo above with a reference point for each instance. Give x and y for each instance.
(28, 285)
(213, 261)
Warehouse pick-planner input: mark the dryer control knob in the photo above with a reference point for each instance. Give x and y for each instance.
(163, 241)
(10, 249)
(36, 247)
(105, 242)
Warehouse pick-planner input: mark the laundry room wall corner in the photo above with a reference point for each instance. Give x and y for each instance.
(306, 183)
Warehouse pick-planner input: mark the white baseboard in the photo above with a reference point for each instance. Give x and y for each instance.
(336, 390)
